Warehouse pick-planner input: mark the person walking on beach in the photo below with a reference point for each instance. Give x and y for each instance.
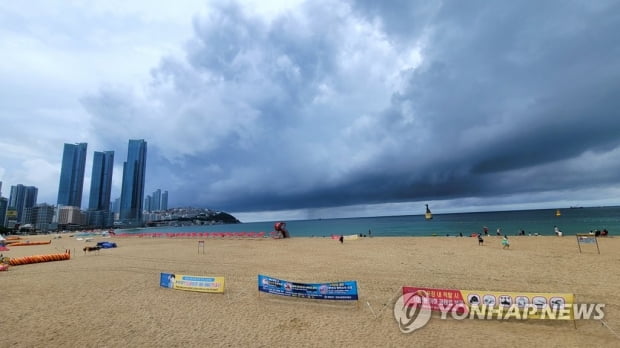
(341, 239)
(557, 231)
(505, 242)
(369, 233)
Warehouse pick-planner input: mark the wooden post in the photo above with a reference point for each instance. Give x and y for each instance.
(573, 311)
(587, 238)
(597, 249)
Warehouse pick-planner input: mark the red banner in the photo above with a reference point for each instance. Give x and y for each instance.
(447, 298)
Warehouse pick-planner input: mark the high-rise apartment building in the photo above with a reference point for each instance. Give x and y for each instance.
(22, 197)
(40, 216)
(164, 201)
(72, 175)
(69, 216)
(101, 181)
(147, 203)
(116, 205)
(132, 190)
(4, 204)
(156, 201)
(116, 209)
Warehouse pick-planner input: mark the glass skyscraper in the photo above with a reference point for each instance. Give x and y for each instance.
(4, 205)
(164, 201)
(132, 190)
(156, 201)
(22, 197)
(101, 181)
(72, 175)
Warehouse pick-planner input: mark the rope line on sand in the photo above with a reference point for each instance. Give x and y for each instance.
(398, 292)
(385, 305)
(610, 329)
(373, 312)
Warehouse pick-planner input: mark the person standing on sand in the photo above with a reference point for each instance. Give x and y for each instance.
(369, 233)
(505, 242)
(341, 239)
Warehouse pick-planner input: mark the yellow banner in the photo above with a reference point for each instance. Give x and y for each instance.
(482, 304)
(192, 283)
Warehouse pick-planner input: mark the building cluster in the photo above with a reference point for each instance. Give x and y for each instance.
(21, 211)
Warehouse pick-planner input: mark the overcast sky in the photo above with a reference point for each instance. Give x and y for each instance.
(318, 109)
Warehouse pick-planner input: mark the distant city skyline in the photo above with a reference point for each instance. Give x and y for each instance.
(157, 201)
(23, 199)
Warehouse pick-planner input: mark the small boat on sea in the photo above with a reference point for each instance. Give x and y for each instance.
(558, 212)
(428, 215)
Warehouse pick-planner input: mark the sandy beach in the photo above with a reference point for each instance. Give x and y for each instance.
(113, 298)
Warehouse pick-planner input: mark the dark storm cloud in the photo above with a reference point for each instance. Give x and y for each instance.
(325, 106)
(507, 87)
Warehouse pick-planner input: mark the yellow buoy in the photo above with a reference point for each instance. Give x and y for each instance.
(428, 215)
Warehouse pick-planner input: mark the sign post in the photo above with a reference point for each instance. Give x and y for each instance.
(587, 239)
(201, 244)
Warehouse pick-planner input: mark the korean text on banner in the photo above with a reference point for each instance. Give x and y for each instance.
(192, 283)
(533, 305)
(345, 290)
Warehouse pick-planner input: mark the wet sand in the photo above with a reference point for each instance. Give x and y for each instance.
(113, 298)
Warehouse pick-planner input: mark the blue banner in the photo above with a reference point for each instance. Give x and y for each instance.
(346, 290)
(167, 280)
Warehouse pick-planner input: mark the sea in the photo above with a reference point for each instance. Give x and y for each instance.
(571, 221)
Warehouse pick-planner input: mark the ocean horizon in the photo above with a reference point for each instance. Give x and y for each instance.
(572, 221)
